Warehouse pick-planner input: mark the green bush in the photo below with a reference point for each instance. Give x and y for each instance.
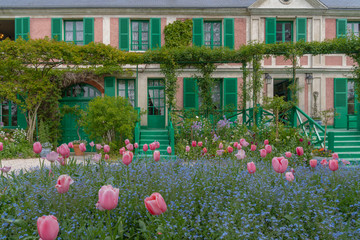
(15, 144)
(110, 120)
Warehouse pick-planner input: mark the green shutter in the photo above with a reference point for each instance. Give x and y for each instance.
(21, 118)
(155, 33)
(230, 96)
(229, 33)
(22, 28)
(88, 30)
(124, 33)
(198, 32)
(270, 30)
(190, 93)
(340, 102)
(301, 29)
(110, 86)
(56, 29)
(341, 27)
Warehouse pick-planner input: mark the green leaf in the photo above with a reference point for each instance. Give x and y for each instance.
(142, 226)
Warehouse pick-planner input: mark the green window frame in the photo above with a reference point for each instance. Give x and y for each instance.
(140, 39)
(283, 31)
(351, 97)
(353, 28)
(8, 114)
(127, 89)
(213, 33)
(74, 31)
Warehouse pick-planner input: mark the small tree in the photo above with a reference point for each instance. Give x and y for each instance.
(326, 116)
(277, 105)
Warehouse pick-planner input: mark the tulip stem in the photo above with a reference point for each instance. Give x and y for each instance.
(109, 224)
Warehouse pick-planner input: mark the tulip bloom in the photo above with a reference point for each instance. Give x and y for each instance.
(187, 149)
(156, 156)
(127, 141)
(64, 150)
(98, 146)
(279, 164)
(61, 160)
(1, 146)
(130, 147)
(204, 150)
(122, 150)
(52, 156)
(136, 145)
(266, 142)
(268, 148)
(263, 153)
(230, 149)
(333, 165)
(345, 162)
(221, 145)
(200, 144)
(335, 156)
(243, 142)
(251, 167)
(108, 198)
(193, 144)
(288, 154)
(236, 144)
(70, 145)
(324, 162)
(145, 147)
(5, 169)
(152, 146)
(289, 176)
(96, 157)
(253, 147)
(82, 147)
(155, 204)
(239, 146)
(106, 148)
(48, 227)
(106, 156)
(168, 150)
(313, 163)
(37, 147)
(299, 151)
(127, 158)
(63, 183)
(157, 144)
(92, 144)
(241, 154)
(219, 152)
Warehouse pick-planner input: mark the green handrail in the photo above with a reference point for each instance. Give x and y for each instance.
(171, 132)
(137, 130)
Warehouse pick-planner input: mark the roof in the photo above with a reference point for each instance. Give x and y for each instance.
(13, 4)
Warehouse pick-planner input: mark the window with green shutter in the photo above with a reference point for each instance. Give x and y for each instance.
(88, 30)
(301, 27)
(126, 89)
(198, 32)
(229, 40)
(353, 29)
(109, 86)
(212, 34)
(155, 32)
(74, 31)
(56, 28)
(22, 28)
(139, 35)
(284, 31)
(8, 113)
(270, 30)
(124, 33)
(341, 27)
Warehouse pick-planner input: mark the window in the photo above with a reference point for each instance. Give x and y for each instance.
(74, 32)
(212, 33)
(81, 91)
(216, 94)
(140, 35)
(8, 113)
(353, 28)
(351, 97)
(284, 31)
(126, 89)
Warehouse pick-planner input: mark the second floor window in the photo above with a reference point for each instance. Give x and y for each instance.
(74, 32)
(212, 33)
(284, 31)
(139, 35)
(353, 28)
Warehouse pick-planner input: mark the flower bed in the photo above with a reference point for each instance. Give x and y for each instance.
(205, 200)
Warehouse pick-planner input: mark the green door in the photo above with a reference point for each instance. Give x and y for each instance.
(340, 102)
(156, 103)
(80, 95)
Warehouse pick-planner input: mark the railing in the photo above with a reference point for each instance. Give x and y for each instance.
(171, 131)
(137, 130)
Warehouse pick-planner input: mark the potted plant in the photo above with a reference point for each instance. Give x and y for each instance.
(44, 139)
(78, 113)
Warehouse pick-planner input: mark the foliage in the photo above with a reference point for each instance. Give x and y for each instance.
(178, 33)
(326, 116)
(277, 105)
(15, 144)
(204, 201)
(43, 133)
(322, 152)
(110, 120)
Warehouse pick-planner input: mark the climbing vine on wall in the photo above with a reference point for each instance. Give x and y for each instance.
(178, 33)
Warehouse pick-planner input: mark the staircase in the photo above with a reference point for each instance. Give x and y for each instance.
(346, 144)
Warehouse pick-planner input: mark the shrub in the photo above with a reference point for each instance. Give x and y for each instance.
(15, 144)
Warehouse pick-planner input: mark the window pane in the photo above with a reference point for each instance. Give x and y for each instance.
(144, 47)
(279, 27)
(144, 36)
(79, 36)
(207, 37)
(135, 36)
(351, 109)
(5, 108)
(5, 120)
(145, 26)
(135, 46)
(216, 37)
(161, 93)
(79, 26)
(349, 29)
(131, 84)
(134, 26)
(131, 94)
(216, 27)
(69, 36)
(279, 37)
(69, 26)
(14, 120)
(121, 84)
(207, 27)
(156, 93)
(122, 93)
(86, 91)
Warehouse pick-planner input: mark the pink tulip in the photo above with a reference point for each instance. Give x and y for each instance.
(106, 156)
(345, 162)
(168, 150)
(230, 149)
(155, 204)
(263, 153)
(5, 169)
(52, 156)
(239, 146)
(145, 147)
(127, 141)
(289, 176)
(61, 160)
(130, 147)
(313, 163)
(96, 157)
(251, 167)
(48, 227)
(333, 165)
(193, 144)
(268, 148)
(299, 151)
(241, 154)
(106, 148)
(1, 146)
(200, 144)
(236, 144)
(324, 162)
(64, 150)
(221, 145)
(243, 142)
(157, 144)
(127, 158)
(122, 150)
(335, 156)
(92, 144)
(187, 149)
(37, 147)
(98, 146)
(266, 142)
(288, 154)
(108, 198)
(82, 147)
(253, 147)
(280, 164)
(136, 145)
(152, 146)
(156, 155)
(219, 152)
(70, 145)
(63, 183)
(204, 150)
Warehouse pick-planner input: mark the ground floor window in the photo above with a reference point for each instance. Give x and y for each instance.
(126, 89)
(281, 88)
(8, 114)
(351, 98)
